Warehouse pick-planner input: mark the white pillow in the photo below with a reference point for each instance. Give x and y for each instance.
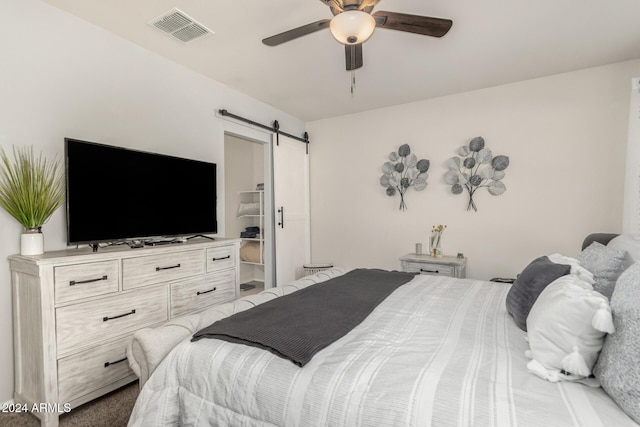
(627, 242)
(576, 268)
(566, 329)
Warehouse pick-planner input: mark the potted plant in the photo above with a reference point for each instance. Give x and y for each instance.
(31, 189)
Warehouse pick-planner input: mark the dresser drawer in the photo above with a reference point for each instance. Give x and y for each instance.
(90, 370)
(199, 293)
(430, 268)
(221, 258)
(84, 324)
(160, 268)
(72, 282)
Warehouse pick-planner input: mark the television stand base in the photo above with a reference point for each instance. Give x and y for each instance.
(200, 235)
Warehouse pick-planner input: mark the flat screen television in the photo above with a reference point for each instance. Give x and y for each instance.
(116, 194)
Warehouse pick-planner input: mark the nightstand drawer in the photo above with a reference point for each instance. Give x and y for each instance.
(82, 325)
(87, 371)
(152, 269)
(220, 258)
(441, 266)
(197, 294)
(427, 268)
(79, 281)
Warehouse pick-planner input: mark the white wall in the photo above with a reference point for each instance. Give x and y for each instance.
(565, 136)
(61, 76)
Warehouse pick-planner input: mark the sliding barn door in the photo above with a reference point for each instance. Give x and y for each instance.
(291, 206)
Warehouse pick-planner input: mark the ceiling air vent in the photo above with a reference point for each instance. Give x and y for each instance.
(179, 25)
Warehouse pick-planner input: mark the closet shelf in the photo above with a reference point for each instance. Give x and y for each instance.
(251, 251)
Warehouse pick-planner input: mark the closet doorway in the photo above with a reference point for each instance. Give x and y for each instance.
(247, 195)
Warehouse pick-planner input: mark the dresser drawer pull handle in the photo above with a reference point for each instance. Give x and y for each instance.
(218, 259)
(168, 268)
(104, 319)
(79, 282)
(107, 364)
(205, 292)
(430, 271)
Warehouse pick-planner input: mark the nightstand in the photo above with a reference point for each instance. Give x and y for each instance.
(426, 264)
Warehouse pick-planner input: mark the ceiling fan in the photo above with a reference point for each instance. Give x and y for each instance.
(353, 24)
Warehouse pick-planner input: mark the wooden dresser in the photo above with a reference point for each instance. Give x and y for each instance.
(74, 312)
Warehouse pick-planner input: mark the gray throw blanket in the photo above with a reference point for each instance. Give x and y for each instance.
(298, 325)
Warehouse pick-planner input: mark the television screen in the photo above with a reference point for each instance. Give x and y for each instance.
(115, 193)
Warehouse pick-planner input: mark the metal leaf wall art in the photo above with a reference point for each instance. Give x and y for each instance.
(403, 171)
(476, 167)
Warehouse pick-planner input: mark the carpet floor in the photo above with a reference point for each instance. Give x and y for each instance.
(110, 410)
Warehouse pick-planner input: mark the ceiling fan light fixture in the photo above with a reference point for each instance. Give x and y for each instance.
(352, 27)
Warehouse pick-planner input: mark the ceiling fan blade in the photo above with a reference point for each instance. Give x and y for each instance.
(296, 32)
(425, 25)
(353, 56)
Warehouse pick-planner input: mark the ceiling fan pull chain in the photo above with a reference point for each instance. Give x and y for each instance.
(353, 82)
(353, 70)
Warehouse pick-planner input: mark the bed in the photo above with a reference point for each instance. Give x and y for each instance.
(438, 351)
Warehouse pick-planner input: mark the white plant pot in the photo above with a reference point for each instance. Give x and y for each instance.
(32, 242)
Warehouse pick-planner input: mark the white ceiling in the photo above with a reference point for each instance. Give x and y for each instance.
(491, 42)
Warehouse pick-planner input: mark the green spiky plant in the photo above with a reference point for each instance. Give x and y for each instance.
(31, 188)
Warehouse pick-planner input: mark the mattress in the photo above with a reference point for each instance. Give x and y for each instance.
(438, 351)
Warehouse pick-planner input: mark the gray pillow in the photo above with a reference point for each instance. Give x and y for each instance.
(628, 242)
(606, 264)
(618, 367)
(528, 286)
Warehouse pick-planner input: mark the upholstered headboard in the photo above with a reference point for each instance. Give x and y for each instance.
(603, 238)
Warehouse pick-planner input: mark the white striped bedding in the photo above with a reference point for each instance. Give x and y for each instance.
(438, 351)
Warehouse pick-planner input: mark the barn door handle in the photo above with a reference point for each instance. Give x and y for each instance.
(281, 212)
